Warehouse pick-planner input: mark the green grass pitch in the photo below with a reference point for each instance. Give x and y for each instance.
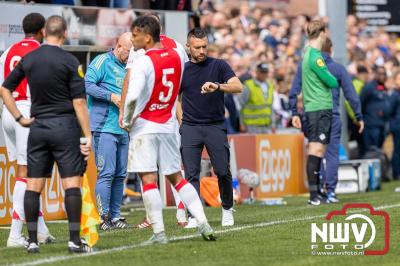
(262, 235)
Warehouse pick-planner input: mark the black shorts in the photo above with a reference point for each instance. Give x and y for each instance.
(319, 125)
(55, 140)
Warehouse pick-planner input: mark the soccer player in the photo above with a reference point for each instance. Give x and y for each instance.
(103, 81)
(133, 56)
(329, 170)
(59, 115)
(318, 104)
(16, 136)
(149, 112)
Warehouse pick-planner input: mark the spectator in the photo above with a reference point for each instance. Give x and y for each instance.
(376, 110)
(395, 127)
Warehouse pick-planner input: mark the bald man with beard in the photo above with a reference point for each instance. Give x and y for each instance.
(103, 81)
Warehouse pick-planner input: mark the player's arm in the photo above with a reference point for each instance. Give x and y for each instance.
(124, 91)
(78, 96)
(137, 83)
(318, 66)
(93, 78)
(2, 65)
(294, 92)
(10, 84)
(179, 111)
(351, 96)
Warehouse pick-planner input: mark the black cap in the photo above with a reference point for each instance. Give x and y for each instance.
(262, 67)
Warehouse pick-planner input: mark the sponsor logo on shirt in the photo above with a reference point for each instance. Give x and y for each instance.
(320, 62)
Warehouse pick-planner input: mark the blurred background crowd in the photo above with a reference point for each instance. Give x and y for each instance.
(264, 45)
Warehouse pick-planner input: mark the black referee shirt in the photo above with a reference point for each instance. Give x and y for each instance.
(204, 109)
(54, 80)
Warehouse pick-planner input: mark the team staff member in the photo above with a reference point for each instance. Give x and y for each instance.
(330, 171)
(16, 136)
(59, 113)
(317, 82)
(204, 82)
(103, 82)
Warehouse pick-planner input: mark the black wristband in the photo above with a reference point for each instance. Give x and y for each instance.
(19, 118)
(219, 86)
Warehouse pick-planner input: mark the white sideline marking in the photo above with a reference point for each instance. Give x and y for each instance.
(5, 227)
(177, 238)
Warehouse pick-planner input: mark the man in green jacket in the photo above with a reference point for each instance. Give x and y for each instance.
(318, 104)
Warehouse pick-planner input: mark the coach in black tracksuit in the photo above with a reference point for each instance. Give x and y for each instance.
(59, 113)
(204, 82)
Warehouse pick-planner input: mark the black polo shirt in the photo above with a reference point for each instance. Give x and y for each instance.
(207, 108)
(54, 80)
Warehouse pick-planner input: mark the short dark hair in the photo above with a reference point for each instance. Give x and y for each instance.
(361, 69)
(33, 23)
(56, 26)
(149, 25)
(152, 14)
(197, 33)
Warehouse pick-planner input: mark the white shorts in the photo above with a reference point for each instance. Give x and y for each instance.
(152, 152)
(15, 135)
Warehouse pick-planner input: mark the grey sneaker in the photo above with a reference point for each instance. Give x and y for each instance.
(207, 232)
(160, 238)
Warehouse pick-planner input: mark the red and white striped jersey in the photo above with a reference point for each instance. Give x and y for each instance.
(10, 58)
(154, 89)
(167, 42)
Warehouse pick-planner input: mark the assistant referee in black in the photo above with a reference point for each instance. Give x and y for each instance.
(58, 114)
(204, 82)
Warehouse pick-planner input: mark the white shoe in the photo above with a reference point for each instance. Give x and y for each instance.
(45, 238)
(192, 223)
(227, 217)
(16, 242)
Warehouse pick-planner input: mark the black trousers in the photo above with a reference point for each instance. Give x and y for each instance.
(193, 139)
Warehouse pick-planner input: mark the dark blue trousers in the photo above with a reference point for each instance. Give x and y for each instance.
(193, 139)
(396, 154)
(373, 136)
(329, 170)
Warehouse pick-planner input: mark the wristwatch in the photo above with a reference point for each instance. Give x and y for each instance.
(19, 118)
(219, 86)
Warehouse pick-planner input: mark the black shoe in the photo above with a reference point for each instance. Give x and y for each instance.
(83, 247)
(32, 247)
(105, 223)
(119, 224)
(317, 200)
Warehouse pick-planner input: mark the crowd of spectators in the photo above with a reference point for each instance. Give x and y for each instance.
(247, 36)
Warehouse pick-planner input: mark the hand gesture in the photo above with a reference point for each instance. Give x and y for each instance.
(209, 87)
